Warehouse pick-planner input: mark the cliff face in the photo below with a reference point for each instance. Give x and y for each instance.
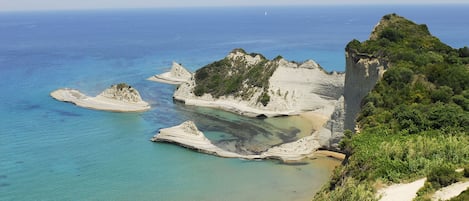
(251, 85)
(362, 72)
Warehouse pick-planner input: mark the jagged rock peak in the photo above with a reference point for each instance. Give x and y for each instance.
(178, 71)
(250, 59)
(122, 92)
(190, 127)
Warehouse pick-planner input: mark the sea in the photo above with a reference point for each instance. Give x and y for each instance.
(51, 150)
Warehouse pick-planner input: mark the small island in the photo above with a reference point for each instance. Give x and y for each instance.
(118, 98)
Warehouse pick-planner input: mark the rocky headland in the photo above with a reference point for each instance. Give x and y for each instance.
(118, 98)
(251, 85)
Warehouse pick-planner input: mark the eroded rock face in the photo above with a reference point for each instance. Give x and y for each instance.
(333, 131)
(122, 92)
(179, 72)
(361, 75)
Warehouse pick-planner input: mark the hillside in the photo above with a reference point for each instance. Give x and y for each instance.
(407, 94)
(252, 85)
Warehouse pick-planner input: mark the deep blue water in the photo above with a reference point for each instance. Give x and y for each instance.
(51, 150)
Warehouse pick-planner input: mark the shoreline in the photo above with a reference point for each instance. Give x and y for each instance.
(188, 136)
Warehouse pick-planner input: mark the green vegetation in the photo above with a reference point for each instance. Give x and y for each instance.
(415, 122)
(235, 77)
(121, 86)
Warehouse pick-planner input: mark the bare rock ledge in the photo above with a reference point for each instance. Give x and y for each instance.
(117, 98)
(177, 75)
(188, 135)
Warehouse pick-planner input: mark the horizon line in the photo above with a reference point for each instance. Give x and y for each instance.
(229, 6)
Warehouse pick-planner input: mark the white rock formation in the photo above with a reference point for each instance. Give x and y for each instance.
(293, 88)
(187, 135)
(177, 75)
(333, 131)
(117, 98)
(362, 73)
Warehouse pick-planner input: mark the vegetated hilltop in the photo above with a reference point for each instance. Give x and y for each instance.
(237, 75)
(414, 120)
(251, 85)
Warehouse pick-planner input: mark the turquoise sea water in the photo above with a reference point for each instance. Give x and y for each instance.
(51, 150)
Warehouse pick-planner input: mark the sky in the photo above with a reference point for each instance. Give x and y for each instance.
(19, 5)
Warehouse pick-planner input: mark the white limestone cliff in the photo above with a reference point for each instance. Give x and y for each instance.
(293, 88)
(362, 72)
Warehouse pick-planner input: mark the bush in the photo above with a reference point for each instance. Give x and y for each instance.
(264, 99)
(466, 171)
(443, 175)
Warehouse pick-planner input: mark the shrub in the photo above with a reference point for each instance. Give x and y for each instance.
(264, 99)
(466, 171)
(442, 175)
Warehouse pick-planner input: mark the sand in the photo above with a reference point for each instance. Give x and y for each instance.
(99, 102)
(450, 191)
(401, 192)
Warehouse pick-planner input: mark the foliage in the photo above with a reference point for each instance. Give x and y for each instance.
(442, 176)
(121, 86)
(234, 76)
(415, 122)
(466, 171)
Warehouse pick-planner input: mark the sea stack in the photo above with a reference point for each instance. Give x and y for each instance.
(118, 98)
(177, 75)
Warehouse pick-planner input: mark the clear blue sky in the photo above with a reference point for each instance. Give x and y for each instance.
(15, 5)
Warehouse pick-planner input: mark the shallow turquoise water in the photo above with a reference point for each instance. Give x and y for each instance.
(51, 150)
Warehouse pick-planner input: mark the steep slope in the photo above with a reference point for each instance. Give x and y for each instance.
(408, 95)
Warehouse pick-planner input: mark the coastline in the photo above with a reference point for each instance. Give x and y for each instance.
(187, 135)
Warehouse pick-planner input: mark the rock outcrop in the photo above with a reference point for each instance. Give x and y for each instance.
(117, 98)
(333, 131)
(362, 72)
(177, 75)
(251, 85)
(188, 135)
